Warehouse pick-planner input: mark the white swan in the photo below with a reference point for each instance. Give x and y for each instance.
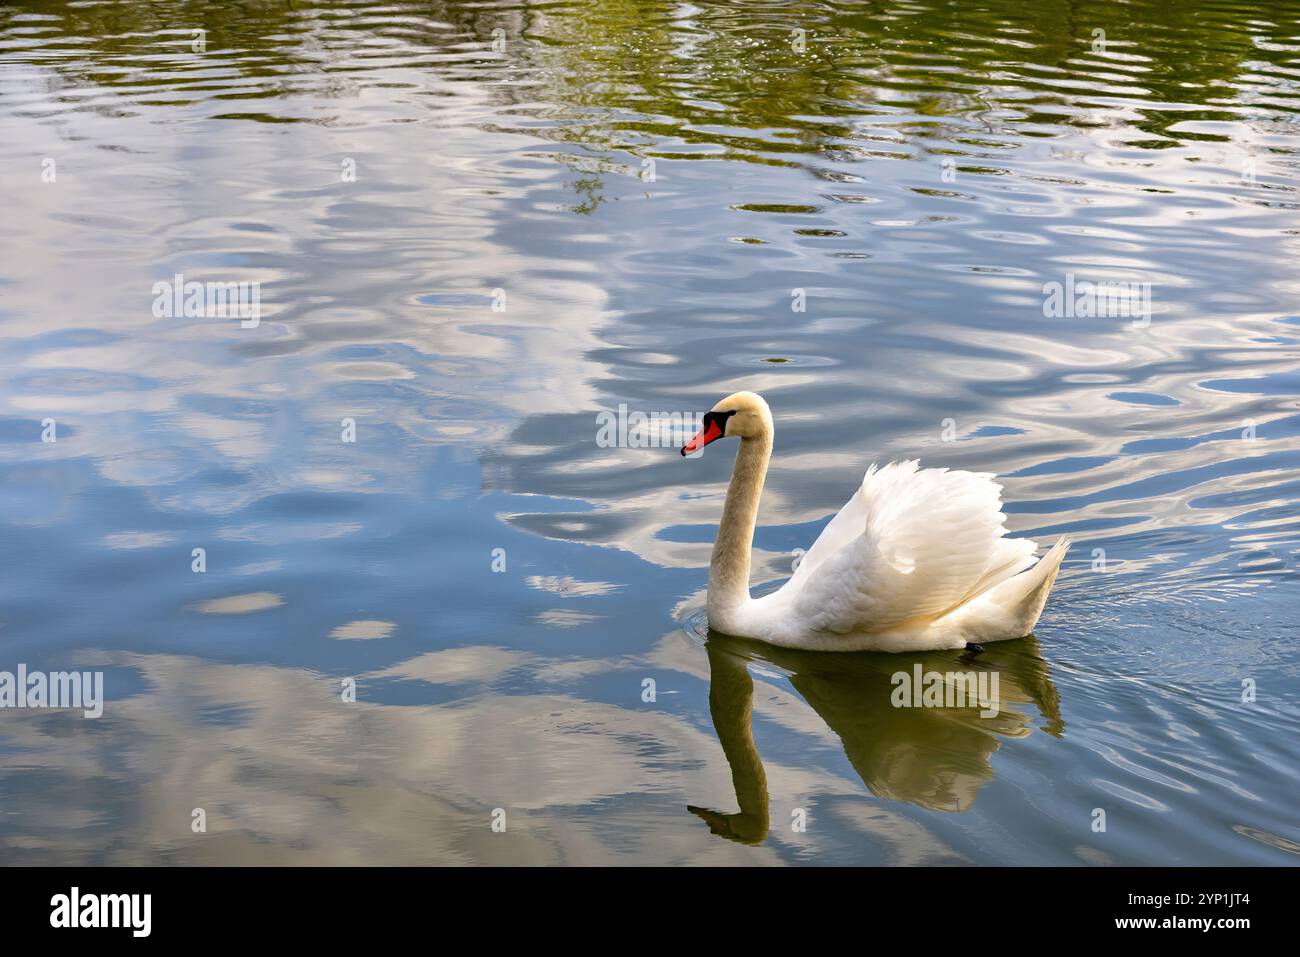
(915, 561)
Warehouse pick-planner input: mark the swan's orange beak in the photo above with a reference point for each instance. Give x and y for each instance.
(709, 433)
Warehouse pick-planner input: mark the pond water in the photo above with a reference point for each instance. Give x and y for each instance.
(477, 226)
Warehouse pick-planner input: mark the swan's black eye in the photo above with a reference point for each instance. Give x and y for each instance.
(719, 419)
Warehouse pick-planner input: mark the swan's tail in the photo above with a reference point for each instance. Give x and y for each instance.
(1024, 595)
(1010, 609)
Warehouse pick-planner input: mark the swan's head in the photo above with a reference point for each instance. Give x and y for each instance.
(740, 415)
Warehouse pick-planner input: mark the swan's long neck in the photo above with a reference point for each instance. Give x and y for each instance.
(729, 567)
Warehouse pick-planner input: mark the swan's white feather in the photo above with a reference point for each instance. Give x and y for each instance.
(911, 546)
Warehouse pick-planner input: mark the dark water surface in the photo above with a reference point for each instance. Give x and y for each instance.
(649, 184)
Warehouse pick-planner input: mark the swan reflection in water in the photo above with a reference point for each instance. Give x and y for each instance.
(934, 757)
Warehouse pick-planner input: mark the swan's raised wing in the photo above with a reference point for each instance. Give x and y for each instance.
(912, 543)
